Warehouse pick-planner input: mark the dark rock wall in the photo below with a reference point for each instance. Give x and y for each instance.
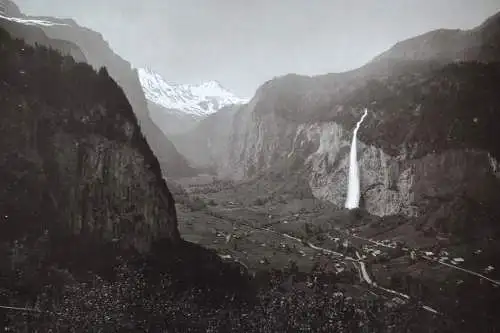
(73, 158)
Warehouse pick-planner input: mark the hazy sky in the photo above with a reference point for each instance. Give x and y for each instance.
(243, 43)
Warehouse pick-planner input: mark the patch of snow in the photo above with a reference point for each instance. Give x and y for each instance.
(30, 21)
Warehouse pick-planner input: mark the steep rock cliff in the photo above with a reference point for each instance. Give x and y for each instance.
(97, 52)
(429, 140)
(73, 159)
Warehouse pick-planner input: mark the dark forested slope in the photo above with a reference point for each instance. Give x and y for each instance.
(73, 156)
(84, 44)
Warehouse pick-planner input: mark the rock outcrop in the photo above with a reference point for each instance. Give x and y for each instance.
(64, 35)
(428, 141)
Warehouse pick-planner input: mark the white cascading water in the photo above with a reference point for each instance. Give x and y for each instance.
(353, 190)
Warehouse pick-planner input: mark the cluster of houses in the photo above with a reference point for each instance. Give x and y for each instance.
(489, 269)
(389, 243)
(371, 251)
(444, 257)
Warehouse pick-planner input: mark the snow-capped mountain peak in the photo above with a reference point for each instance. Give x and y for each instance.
(197, 100)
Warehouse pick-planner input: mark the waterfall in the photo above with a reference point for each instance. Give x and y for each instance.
(353, 190)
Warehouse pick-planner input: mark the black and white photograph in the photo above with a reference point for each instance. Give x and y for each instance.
(253, 166)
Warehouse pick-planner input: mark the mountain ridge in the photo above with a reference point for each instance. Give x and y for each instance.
(197, 100)
(95, 50)
(178, 108)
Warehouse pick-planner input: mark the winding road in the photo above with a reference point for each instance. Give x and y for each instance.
(357, 262)
(368, 280)
(495, 282)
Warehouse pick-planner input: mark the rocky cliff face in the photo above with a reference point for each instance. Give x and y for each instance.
(96, 52)
(429, 137)
(73, 159)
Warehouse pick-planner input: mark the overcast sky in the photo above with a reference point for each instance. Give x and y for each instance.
(243, 43)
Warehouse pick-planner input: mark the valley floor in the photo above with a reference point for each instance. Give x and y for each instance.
(391, 261)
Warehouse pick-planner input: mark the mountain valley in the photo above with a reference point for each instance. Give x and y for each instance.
(132, 204)
(428, 162)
